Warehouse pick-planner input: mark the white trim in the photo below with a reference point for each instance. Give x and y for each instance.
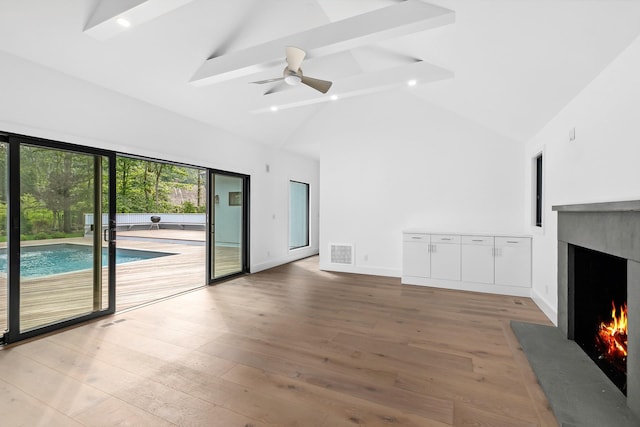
(549, 311)
(307, 252)
(518, 291)
(372, 271)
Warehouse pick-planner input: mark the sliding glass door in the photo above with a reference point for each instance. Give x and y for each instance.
(60, 256)
(228, 226)
(58, 228)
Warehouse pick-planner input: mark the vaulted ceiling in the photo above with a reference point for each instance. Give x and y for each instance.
(509, 65)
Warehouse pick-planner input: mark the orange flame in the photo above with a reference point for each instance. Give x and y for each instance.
(612, 335)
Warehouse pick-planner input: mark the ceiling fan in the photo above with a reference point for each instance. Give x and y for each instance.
(292, 74)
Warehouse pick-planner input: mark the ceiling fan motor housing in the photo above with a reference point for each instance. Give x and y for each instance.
(291, 77)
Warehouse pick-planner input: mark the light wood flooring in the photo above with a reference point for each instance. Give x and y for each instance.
(49, 299)
(292, 346)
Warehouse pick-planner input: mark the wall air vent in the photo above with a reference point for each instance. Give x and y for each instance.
(341, 253)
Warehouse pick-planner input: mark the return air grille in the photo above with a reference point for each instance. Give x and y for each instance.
(341, 253)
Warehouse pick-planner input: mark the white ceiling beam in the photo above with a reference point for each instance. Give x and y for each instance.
(103, 23)
(356, 85)
(394, 21)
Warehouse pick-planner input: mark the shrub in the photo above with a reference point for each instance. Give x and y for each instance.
(40, 225)
(188, 207)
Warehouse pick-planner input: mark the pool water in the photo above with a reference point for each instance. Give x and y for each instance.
(44, 260)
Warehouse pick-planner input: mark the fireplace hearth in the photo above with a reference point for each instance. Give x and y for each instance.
(598, 276)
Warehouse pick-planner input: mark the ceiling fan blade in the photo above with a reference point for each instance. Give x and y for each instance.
(317, 84)
(261, 82)
(295, 56)
(278, 87)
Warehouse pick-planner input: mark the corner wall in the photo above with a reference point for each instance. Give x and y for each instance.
(600, 165)
(392, 161)
(40, 102)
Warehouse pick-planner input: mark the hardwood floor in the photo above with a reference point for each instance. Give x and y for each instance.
(49, 299)
(292, 346)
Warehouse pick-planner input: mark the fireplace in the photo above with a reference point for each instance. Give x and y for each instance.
(597, 312)
(598, 275)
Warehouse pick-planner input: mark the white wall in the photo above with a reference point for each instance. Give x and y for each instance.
(390, 162)
(600, 165)
(40, 102)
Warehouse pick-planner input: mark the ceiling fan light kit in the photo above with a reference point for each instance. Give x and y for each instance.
(292, 78)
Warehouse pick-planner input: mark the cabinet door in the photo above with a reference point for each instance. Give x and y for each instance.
(445, 257)
(513, 261)
(477, 259)
(415, 256)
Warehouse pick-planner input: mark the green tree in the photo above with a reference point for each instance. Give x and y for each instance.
(59, 179)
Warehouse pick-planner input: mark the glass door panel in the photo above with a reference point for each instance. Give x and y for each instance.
(4, 284)
(298, 215)
(64, 268)
(228, 229)
(161, 223)
(106, 239)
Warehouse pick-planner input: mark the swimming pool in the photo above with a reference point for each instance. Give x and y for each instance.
(44, 260)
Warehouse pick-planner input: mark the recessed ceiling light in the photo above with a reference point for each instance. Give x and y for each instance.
(334, 97)
(412, 82)
(123, 22)
(274, 108)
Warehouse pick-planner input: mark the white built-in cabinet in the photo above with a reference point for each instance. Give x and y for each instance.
(478, 253)
(416, 259)
(445, 257)
(513, 261)
(480, 262)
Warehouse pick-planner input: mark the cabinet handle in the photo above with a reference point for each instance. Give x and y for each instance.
(417, 238)
(446, 238)
(477, 240)
(512, 241)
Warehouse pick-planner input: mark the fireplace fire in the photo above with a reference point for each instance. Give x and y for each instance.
(599, 312)
(612, 337)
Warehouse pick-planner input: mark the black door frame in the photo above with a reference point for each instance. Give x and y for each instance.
(13, 142)
(245, 226)
(13, 236)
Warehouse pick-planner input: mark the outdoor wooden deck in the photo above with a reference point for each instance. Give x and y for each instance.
(52, 298)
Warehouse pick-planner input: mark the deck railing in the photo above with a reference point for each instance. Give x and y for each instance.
(142, 220)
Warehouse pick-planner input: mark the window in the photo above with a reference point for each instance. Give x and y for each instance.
(298, 215)
(537, 197)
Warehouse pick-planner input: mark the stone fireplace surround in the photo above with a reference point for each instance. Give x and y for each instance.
(613, 228)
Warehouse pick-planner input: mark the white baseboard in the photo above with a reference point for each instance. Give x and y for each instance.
(516, 291)
(371, 271)
(550, 312)
(255, 268)
(293, 256)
